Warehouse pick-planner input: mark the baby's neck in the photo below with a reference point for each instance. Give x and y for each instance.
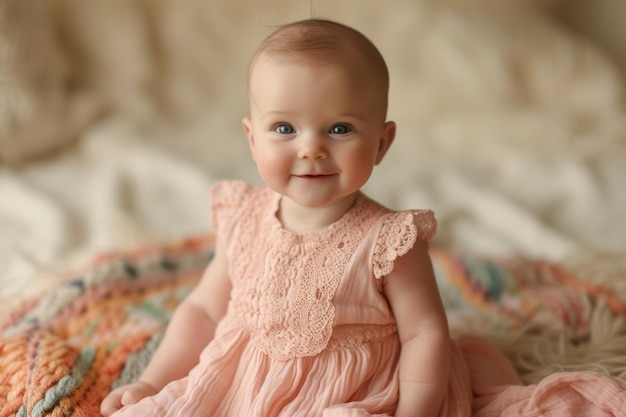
(301, 219)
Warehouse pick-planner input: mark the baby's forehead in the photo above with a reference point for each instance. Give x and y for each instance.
(352, 73)
(318, 60)
(350, 60)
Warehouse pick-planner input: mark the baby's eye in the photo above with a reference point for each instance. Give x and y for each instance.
(285, 129)
(340, 129)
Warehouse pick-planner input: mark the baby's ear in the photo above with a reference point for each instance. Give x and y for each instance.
(247, 129)
(385, 141)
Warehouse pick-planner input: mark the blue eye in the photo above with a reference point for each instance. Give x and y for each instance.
(340, 129)
(285, 129)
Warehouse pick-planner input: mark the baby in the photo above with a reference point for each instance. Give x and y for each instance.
(319, 301)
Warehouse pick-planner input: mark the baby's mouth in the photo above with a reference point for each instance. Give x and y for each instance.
(314, 176)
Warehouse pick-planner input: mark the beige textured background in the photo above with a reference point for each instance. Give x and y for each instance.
(116, 116)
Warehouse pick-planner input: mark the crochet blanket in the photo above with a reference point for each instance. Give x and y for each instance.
(62, 352)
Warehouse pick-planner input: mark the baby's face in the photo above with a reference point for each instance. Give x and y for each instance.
(316, 130)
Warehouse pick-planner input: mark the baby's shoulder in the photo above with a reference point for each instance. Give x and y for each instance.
(397, 235)
(420, 223)
(229, 191)
(235, 192)
(229, 197)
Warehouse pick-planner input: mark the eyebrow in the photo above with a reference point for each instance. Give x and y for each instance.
(276, 113)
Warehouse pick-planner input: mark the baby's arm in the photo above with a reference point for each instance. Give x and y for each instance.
(202, 309)
(424, 365)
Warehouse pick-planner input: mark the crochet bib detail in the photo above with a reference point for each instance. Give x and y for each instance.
(284, 282)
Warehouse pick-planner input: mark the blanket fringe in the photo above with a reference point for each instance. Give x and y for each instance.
(535, 356)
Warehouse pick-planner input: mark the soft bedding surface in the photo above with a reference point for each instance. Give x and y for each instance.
(548, 335)
(63, 351)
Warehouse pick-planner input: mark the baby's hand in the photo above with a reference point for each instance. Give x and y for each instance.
(126, 395)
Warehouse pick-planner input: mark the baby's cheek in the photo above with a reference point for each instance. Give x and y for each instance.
(361, 162)
(273, 166)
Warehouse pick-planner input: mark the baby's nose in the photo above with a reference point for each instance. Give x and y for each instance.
(312, 149)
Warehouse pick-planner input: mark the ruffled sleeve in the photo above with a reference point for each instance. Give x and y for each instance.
(397, 236)
(227, 198)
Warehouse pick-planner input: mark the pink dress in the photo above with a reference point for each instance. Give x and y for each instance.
(308, 331)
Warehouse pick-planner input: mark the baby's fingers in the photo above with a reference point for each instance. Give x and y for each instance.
(111, 403)
(137, 393)
(126, 395)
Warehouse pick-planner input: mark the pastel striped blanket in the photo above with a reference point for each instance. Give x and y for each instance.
(522, 327)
